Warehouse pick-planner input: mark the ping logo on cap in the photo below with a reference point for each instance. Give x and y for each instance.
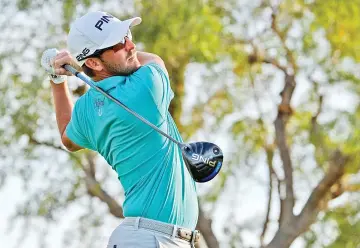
(103, 19)
(83, 54)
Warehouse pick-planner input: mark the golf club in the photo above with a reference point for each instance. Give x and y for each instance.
(203, 159)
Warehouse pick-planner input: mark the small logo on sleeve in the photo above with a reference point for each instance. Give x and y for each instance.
(99, 103)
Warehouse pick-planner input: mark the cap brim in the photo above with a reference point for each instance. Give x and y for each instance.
(120, 29)
(134, 21)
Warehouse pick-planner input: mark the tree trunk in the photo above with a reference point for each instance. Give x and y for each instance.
(177, 84)
(207, 234)
(319, 198)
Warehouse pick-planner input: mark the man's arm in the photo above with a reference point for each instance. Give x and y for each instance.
(63, 109)
(146, 58)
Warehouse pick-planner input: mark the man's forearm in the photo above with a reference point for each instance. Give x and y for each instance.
(63, 105)
(145, 58)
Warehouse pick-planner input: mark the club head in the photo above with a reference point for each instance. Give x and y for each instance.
(203, 160)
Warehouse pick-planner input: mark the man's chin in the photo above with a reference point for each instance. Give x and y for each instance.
(130, 70)
(135, 64)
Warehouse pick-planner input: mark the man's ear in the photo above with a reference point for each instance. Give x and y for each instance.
(94, 63)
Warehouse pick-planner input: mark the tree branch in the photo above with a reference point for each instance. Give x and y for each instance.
(318, 199)
(284, 113)
(34, 141)
(318, 112)
(352, 187)
(312, 207)
(269, 156)
(258, 56)
(94, 189)
(289, 199)
(90, 157)
(204, 225)
(282, 37)
(316, 136)
(275, 63)
(281, 215)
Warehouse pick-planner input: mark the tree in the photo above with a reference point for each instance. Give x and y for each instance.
(291, 40)
(270, 68)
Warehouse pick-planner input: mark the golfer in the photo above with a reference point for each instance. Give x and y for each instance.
(160, 206)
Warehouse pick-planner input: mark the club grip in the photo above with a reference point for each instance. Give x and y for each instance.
(71, 69)
(79, 75)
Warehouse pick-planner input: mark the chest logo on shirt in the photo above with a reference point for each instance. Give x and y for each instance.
(99, 103)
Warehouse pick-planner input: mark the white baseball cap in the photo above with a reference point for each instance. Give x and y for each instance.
(96, 30)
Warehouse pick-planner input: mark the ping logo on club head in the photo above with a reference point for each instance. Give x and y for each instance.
(103, 19)
(83, 54)
(207, 161)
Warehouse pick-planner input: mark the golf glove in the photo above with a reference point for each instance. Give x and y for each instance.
(47, 59)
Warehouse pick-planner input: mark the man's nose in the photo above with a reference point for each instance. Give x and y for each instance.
(129, 45)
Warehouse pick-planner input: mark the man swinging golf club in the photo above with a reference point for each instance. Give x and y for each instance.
(156, 171)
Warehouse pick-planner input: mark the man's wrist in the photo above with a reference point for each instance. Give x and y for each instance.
(57, 79)
(58, 86)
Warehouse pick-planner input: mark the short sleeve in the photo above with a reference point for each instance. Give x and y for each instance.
(76, 128)
(156, 81)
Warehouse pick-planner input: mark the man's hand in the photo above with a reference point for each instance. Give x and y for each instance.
(53, 61)
(47, 60)
(64, 58)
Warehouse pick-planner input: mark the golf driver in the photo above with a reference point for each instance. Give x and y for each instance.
(203, 159)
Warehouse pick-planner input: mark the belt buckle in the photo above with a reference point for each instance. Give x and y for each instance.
(191, 236)
(184, 234)
(194, 235)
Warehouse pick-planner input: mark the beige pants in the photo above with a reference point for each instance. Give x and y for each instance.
(125, 236)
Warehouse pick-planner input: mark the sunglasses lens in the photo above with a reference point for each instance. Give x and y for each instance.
(129, 35)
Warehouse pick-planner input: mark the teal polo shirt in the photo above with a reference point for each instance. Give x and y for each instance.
(150, 167)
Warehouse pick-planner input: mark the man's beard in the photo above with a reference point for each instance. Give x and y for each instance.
(121, 70)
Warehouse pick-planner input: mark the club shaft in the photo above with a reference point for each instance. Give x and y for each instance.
(88, 81)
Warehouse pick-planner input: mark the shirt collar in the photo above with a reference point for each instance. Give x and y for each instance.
(110, 82)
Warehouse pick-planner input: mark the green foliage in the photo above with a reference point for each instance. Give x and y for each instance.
(241, 65)
(253, 133)
(239, 127)
(46, 204)
(197, 120)
(184, 32)
(217, 188)
(68, 12)
(341, 21)
(310, 238)
(23, 4)
(352, 146)
(220, 104)
(69, 8)
(301, 120)
(347, 220)
(302, 129)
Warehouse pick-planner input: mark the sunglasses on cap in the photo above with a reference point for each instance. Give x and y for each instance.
(115, 47)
